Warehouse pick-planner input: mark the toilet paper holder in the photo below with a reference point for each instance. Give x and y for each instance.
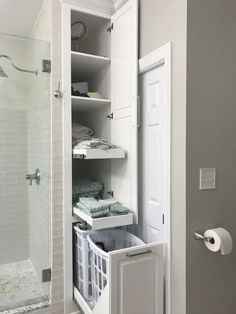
(198, 236)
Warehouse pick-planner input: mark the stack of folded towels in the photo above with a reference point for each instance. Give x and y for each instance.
(92, 207)
(82, 137)
(87, 188)
(80, 133)
(95, 142)
(101, 208)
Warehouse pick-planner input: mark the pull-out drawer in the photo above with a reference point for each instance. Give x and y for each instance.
(135, 284)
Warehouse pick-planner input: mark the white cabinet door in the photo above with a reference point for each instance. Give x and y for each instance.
(124, 76)
(136, 280)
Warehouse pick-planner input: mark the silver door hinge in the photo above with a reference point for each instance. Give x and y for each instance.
(138, 112)
(163, 219)
(46, 275)
(110, 28)
(46, 66)
(111, 193)
(110, 116)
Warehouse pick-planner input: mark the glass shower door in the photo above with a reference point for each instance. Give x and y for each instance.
(25, 194)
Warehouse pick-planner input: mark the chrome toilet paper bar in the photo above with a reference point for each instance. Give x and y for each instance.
(199, 236)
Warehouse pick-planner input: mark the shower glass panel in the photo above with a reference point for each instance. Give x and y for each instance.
(25, 198)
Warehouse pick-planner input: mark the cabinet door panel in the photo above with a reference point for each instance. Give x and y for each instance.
(124, 61)
(136, 280)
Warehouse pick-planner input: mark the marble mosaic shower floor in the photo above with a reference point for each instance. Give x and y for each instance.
(19, 286)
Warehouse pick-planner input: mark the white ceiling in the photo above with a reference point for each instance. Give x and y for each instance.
(18, 16)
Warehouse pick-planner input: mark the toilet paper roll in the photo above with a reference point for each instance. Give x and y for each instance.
(222, 241)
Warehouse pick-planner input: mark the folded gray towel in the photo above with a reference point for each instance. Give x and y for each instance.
(118, 208)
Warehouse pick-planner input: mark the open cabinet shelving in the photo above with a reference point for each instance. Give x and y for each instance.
(108, 62)
(96, 153)
(104, 222)
(87, 64)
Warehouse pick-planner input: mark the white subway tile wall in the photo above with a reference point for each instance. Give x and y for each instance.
(46, 212)
(14, 222)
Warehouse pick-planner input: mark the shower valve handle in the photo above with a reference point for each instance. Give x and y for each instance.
(35, 176)
(58, 93)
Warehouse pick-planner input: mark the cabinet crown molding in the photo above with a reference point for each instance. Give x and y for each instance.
(118, 3)
(106, 6)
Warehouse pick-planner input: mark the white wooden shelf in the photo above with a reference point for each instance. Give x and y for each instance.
(85, 103)
(84, 65)
(104, 222)
(96, 153)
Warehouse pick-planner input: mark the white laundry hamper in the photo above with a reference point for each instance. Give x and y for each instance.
(82, 267)
(100, 244)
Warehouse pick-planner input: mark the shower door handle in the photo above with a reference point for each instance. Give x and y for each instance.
(35, 176)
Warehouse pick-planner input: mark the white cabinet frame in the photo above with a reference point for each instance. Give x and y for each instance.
(160, 56)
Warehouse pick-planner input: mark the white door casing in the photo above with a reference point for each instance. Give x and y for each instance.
(154, 154)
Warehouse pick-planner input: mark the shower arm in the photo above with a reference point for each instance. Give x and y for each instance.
(16, 67)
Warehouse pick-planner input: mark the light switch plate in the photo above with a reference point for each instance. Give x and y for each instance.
(207, 179)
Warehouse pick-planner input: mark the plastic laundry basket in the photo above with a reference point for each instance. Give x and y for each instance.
(100, 244)
(82, 267)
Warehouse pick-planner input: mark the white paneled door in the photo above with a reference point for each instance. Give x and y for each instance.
(136, 280)
(124, 78)
(152, 150)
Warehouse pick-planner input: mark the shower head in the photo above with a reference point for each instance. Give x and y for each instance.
(2, 73)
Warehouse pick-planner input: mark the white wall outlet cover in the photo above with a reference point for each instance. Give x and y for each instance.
(207, 178)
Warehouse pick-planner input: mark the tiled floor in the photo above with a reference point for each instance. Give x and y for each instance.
(19, 286)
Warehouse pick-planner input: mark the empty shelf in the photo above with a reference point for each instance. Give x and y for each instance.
(84, 65)
(86, 103)
(91, 153)
(104, 222)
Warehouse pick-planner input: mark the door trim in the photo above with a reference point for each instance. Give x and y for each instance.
(159, 57)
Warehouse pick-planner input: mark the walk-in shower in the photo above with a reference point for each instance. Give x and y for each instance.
(25, 171)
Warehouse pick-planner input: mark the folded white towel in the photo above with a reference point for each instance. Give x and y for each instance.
(95, 142)
(78, 129)
(80, 133)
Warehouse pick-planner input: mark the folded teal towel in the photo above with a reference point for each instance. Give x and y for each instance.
(116, 214)
(119, 208)
(87, 188)
(92, 204)
(97, 214)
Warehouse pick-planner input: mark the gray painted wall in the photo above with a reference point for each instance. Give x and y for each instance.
(161, 22)
(211, 134)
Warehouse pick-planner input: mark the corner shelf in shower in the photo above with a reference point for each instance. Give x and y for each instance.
(97, 153)
(104, 222)
(86, 103)
(83, 65)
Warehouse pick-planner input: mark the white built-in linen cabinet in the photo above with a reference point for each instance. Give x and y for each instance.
(108, 60)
